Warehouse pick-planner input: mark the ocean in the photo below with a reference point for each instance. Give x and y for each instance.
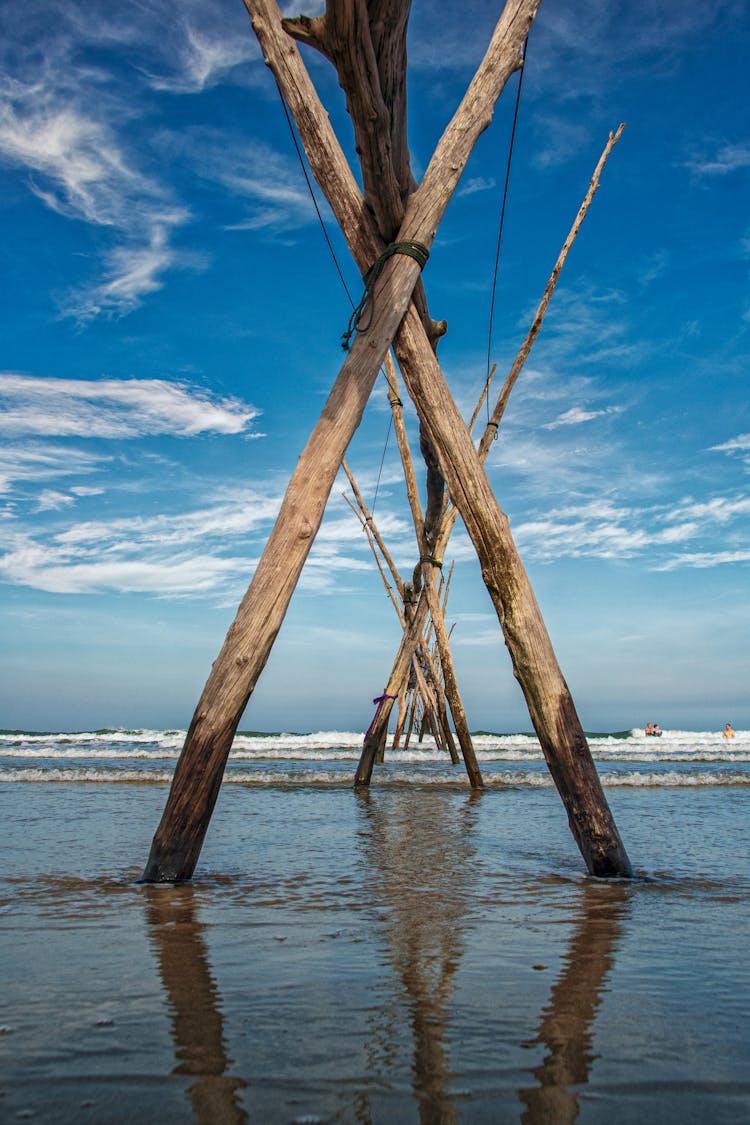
(413, 953)
(329, 758)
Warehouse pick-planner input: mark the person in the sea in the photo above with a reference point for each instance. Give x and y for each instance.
(649, 728)
(727, 732)
(656, 730)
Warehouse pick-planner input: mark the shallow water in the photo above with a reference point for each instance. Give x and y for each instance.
(415, 954)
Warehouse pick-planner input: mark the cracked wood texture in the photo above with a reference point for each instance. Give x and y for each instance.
(179, 837)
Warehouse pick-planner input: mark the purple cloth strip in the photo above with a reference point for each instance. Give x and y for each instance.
(378, 699)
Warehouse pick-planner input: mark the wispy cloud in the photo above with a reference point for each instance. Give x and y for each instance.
(719, 510)
(268, 184)
(51, 500)
(55, 570)
(33, 462)
(576, 416)
(603, 529)
(725, 159)
(220, 520)
(475, 184)
(594, 47)
(212, 550)
(115, 408)
(72, 125)
(201, 57)
(704, 560)
(739, 444)
(557, 139)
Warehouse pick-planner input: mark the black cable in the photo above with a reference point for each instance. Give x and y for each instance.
(502, 219)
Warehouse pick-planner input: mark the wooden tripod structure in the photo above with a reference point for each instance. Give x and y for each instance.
(385, 224)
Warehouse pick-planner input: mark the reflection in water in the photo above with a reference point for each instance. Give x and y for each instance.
(418, 848)
(197, 1024)
(567, 1021)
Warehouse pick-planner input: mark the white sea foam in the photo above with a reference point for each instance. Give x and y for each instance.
(678, 758)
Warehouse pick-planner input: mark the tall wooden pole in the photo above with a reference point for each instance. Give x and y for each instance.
(364, 770)
(548, 698)
(197, 779)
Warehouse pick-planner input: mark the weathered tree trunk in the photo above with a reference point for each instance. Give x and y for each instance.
(197, 779)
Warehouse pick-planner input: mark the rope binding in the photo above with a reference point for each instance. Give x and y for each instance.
(415, 250)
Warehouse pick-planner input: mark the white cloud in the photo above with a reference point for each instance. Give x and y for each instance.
(602, 529)
(201, 58)
(475, 184)
(739, 444)
(53, 570)
(79, 157)
(81, 171)
(268, 182)
(577, 415)
(73, 127)
(115, 408)
(34, 462)
(51, 501)
(221, 521)
(191, 553)
(719, 510)
(726, 159)
(704, 560)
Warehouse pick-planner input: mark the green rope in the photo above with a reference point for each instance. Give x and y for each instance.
(414, 250)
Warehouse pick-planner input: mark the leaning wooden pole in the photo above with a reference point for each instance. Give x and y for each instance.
(534, 664)
(197, 779)
(364, 770)
(428, 565)
(431, 690)
(548, 698)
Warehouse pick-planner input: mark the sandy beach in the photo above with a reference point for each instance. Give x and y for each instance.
(416, 954)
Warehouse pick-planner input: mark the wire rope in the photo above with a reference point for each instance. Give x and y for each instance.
(339, 271)
(501, 223)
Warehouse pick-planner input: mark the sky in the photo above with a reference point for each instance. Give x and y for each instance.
(171, 325)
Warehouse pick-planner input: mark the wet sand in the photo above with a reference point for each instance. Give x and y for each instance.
(408, 956)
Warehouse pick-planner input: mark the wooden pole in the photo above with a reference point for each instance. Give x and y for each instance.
(492, 426)
(429, 684)
(197, 779)
(429, 562)
(535, 666)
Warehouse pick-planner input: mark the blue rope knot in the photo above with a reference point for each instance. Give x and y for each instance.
(414, 250)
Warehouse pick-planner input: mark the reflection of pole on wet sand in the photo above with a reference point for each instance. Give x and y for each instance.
(197, 1023)
(418, 850)
(566, 1027)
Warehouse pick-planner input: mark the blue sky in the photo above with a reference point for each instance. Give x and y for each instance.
(171, 325)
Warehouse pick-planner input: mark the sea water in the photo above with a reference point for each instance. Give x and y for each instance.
(329, 758)
(412, 953)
